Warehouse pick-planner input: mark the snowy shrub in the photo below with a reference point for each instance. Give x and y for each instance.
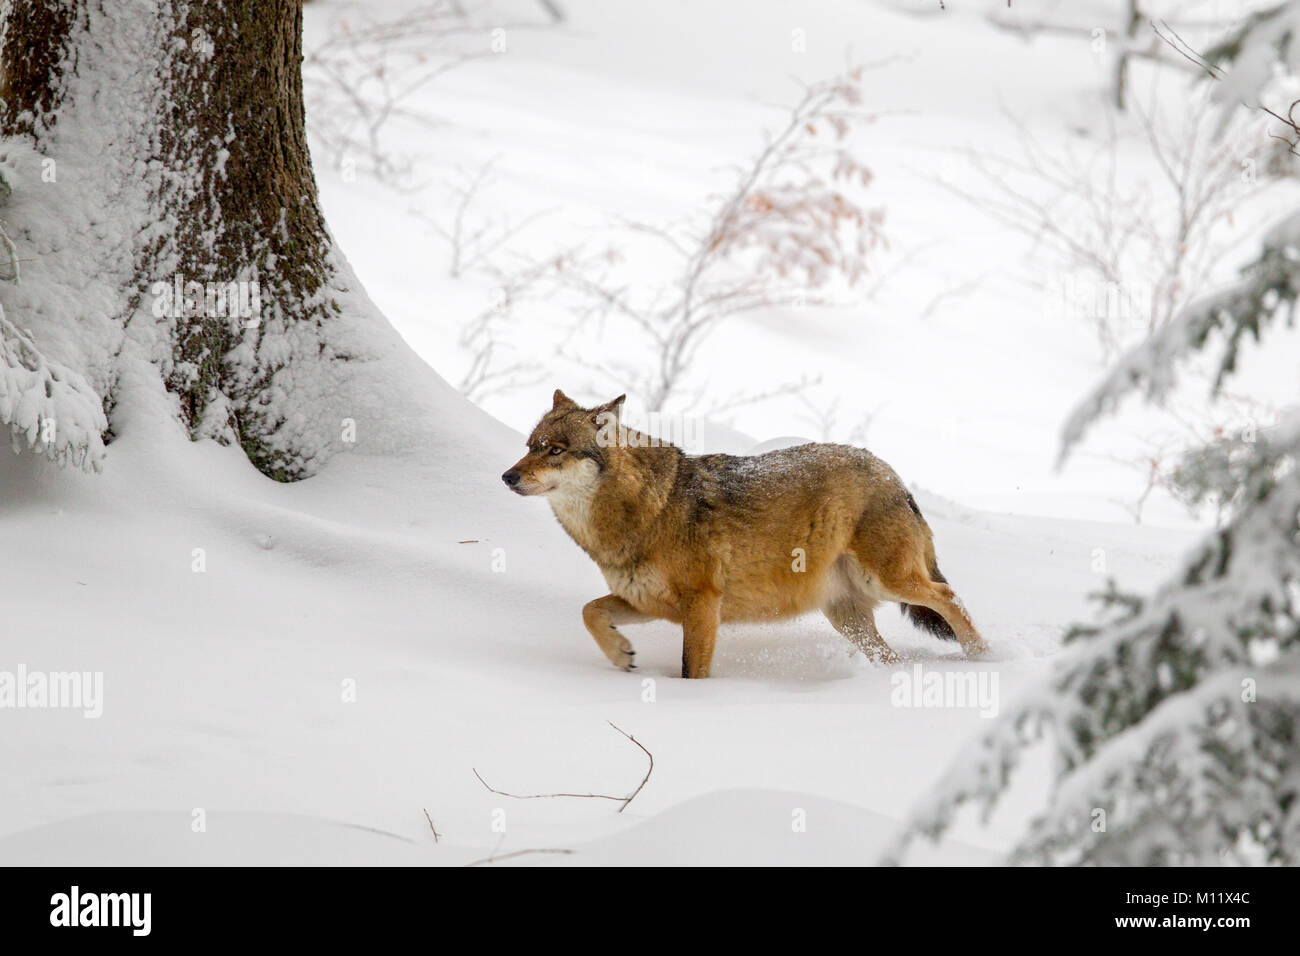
(792, 229)
(1179, 719)
(48, 408)
(1175, 725)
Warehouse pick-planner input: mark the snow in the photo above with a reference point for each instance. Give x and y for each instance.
(224, 689)
(626, 115)
(405, 572)
(740, 827)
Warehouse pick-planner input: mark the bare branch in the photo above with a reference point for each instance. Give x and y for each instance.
(543, 796)
(1183, 49)
(649, 770)
(742, 399)
(360, 77)
(506, 856)
(790, 225)
(436, 835)
(622, 801)
(1143, 247)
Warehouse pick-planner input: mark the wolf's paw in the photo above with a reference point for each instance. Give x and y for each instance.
(882, 656)
(976, 649)
(620, 653)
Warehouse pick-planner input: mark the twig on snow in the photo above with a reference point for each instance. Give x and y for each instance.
(505, 856)
(436, 834)
(622, 801)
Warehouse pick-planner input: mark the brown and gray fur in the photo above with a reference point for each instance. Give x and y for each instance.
(700, 540)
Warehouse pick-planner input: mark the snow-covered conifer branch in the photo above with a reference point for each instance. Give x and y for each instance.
(1268, 288)
(49, 408)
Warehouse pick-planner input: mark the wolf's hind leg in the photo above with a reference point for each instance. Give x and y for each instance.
(602, 617)
(850, 606)
(920, 588)
(853, 616)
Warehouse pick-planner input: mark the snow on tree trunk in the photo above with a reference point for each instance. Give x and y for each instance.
(156, 185)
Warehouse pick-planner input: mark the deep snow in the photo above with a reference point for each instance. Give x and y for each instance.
(224, 689)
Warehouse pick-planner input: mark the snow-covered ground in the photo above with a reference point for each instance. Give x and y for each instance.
(356, 645)
(227, 690)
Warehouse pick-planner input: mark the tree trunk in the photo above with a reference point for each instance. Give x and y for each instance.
(151, 149)
(1132, 23)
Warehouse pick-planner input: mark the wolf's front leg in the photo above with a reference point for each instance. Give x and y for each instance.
(700, 615)
(602, 617)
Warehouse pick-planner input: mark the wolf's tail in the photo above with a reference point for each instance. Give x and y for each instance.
(927, 619)
(923, 617)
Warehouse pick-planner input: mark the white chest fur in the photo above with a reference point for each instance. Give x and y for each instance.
(571, 500)
(642, 586)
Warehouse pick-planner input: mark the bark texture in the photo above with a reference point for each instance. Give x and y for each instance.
(204, 100)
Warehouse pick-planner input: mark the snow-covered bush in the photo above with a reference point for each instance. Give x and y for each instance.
(48, 408)
(1175, 725)
(794, 227)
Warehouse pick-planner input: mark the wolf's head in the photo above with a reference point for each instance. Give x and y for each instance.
(568, 449)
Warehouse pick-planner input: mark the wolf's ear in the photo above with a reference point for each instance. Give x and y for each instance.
(562, 401)
(615, 407)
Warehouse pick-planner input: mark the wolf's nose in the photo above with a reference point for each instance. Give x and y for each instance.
(511, 478)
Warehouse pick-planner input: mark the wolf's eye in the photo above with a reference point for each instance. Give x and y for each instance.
(557, 450)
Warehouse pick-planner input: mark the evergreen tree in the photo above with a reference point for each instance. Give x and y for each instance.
(1175, 724)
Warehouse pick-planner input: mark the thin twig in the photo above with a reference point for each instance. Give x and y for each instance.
(506, 856)
(1189, 53)
(649, 770)
(741, 399)
(436, 834)
(622, 801)
(540, 796)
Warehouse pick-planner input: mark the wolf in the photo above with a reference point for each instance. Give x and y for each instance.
(702, 540)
